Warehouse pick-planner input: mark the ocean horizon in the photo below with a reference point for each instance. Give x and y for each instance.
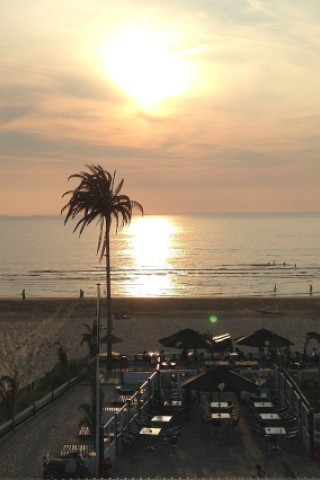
(203, 255)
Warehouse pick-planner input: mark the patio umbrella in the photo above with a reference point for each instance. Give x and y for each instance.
(263, 338)
(186, 339)
(213, 379)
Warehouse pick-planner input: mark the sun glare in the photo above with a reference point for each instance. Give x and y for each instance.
(150, 247)
(140, 62)
(151, 242)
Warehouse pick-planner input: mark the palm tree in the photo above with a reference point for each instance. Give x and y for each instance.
(90, 338)
(90, 408)
(61, 370)
(97, 198)
(8, 393)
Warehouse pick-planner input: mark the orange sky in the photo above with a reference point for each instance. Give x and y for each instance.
(200, 106)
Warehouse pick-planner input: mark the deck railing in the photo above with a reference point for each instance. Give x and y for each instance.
(38, 405)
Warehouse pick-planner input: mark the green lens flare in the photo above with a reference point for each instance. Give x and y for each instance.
(213, 319)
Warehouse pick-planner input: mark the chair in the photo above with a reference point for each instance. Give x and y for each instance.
(272, 442)
(235, 421)
(290, 423)
(172, 442)
(127, 439)
(216, 425)
(291, 436)
(281, 409)
(172, 432)
(257, 429)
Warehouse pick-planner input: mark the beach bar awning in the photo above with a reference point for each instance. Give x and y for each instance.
(211, 381)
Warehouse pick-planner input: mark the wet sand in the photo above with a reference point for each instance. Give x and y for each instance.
(29, 329)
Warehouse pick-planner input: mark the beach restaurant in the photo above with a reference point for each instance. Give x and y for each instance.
(152, 398)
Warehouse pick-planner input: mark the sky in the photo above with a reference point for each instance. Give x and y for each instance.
(210, 106)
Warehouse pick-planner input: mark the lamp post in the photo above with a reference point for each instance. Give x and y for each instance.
(98, 386)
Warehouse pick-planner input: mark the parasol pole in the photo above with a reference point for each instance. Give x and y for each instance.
(97, 399)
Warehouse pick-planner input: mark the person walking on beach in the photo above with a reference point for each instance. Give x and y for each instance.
(81, 294)
(310, 289)
(275, 289)
(23, 294)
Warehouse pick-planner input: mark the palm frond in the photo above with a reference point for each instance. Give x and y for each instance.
(97, 198)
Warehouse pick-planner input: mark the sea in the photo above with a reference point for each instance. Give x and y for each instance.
(164, 256)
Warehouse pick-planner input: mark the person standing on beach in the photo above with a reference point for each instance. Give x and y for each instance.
(23, 294)
(275, 289)
(310, 289)
(81, 294)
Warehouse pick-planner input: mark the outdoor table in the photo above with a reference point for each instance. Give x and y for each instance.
(152, 432)
(271, 420)
(173, 403)
(222, 416)
(83, 449)
(219, 405)
(269, 416)
(161, 419)
(260, 405)
(274, 432)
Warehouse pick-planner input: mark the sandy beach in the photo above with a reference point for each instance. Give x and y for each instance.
(29, 329)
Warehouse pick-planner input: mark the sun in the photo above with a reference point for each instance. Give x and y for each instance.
(145, 66)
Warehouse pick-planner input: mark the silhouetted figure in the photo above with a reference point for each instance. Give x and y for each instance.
(310, 289)
(23, 294)
(81, 294)
(275, 290)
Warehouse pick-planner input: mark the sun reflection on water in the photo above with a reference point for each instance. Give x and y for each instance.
(150, 240)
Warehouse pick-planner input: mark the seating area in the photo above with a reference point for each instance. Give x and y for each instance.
(163, 419)
(221, 411)
(275, 423)
(171, 449)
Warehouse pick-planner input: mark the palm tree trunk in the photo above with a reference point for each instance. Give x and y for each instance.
(108, 292)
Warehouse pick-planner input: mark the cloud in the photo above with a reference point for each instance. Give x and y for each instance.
(250, 120)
